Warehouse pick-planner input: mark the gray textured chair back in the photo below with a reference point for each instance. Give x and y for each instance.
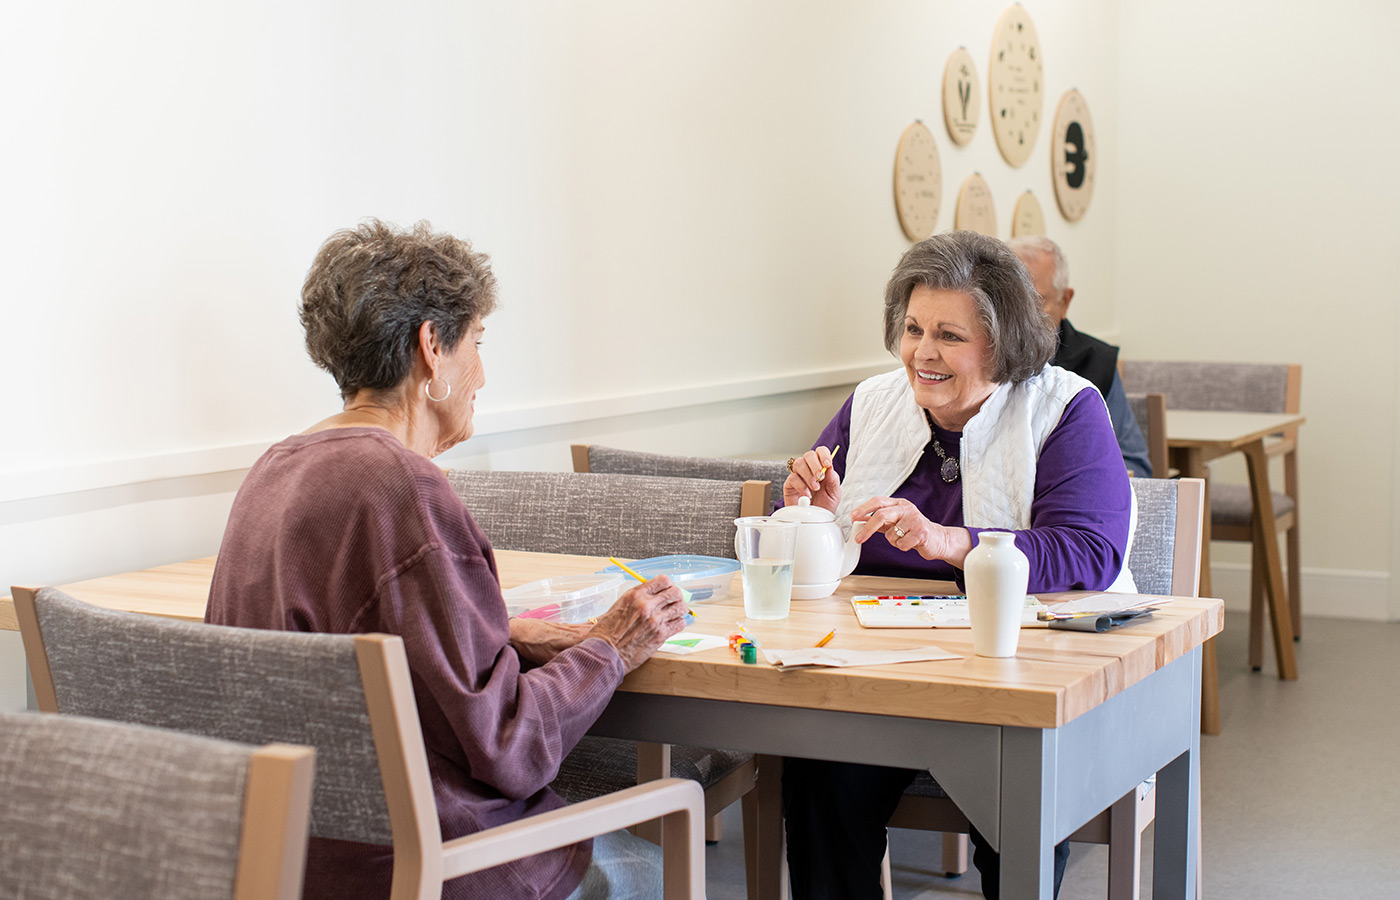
(98, 809)
(236, 684)
(610, 460)
(1166, 553)
(601, 515)
(1229, 387)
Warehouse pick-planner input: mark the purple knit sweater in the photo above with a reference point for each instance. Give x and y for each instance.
(1079, 515)
(346, 531)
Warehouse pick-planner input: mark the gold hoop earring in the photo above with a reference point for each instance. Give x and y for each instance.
(428, 389)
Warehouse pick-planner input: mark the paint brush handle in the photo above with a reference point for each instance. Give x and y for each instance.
(685, 595)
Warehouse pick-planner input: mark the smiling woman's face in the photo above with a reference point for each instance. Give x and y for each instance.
(946, 355)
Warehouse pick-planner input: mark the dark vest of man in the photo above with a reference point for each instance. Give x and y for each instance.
(1086, 356)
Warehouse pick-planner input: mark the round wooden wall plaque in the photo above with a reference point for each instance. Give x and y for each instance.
(962, 96)
(1028, 217)
(1073, 156)
(976, 212)
(918, 182)
(1015, 85)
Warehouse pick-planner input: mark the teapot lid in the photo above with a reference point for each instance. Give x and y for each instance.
(804, 511)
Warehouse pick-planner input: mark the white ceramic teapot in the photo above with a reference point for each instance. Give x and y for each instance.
(823, 558)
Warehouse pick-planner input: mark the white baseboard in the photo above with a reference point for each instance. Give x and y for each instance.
(1334, 593)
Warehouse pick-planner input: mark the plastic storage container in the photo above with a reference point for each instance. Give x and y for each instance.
(566, 598)
(706, 577)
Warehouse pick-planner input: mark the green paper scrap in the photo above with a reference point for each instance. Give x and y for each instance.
(691, 642)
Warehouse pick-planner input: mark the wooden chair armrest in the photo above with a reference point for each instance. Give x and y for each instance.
(680, 803)
(1280, 446)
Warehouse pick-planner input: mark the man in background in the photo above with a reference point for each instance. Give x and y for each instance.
(1080, 353)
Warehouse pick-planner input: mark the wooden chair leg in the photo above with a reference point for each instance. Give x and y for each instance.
(1295, 579)
(751, 807)
(1295, 561)
(714, 829)
(1266, 535)
(767, 878)
(1256, 608)
(954, 854)
(653, 761)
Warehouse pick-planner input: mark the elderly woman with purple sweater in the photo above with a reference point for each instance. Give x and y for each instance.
(975, 432)
(349, 527)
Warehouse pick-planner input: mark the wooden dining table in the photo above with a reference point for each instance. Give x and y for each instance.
(1030, 747)
(1194, 438)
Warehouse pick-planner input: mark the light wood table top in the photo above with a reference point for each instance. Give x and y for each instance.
(1224, 430)
(176, 591)
(1055, 676)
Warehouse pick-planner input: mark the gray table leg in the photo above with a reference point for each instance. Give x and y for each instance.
(1028, 767)
(1054, 780)
(1175, 841)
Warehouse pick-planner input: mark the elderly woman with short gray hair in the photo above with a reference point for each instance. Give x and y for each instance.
(349, 527)
(974, 432)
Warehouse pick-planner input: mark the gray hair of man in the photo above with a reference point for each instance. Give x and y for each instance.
(1020, 333)
(371, 288)
(1033, 245)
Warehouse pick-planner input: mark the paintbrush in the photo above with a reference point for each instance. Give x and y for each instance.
(685, 595)
(833, 458)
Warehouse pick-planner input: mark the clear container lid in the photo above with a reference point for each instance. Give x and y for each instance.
(562, 591)
(679, 568)
(700, 577)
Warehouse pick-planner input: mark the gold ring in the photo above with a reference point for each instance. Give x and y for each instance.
(791, 460)
(899, 532)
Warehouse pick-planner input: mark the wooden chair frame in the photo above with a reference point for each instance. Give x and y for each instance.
(422, 859)
(1120, 826)
(276, 813)
(1286, 446)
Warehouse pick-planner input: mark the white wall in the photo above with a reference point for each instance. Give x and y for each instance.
(1256, 216)
(689, 210)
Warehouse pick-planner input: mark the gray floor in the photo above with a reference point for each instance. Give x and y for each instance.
(1301, 790)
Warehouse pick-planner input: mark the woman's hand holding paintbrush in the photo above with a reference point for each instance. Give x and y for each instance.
(812, 476)
(641, 620)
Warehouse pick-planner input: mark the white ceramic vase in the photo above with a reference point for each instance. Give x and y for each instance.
(996, 573)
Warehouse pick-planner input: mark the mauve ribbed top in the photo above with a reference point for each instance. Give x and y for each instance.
(346, 531)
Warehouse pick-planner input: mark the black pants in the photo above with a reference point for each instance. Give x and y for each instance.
(836, 815)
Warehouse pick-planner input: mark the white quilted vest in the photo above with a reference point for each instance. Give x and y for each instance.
(999, 448)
